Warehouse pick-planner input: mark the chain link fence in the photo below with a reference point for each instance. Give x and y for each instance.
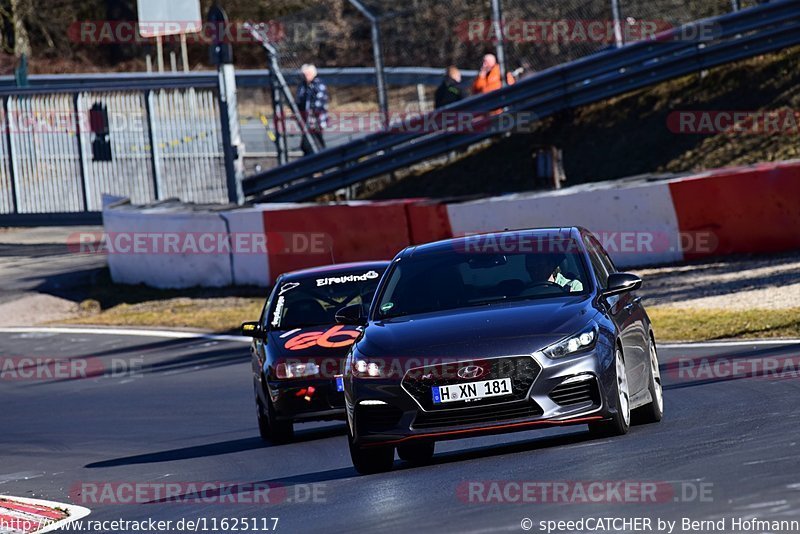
(537, 34)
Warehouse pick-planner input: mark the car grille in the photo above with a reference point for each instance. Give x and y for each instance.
(522, 370)
(576, 393)
(378, 418)
(470, 416)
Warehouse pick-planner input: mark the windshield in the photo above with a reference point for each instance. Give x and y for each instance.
(453, 279)
(314, 301)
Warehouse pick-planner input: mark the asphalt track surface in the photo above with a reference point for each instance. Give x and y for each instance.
(185, 414)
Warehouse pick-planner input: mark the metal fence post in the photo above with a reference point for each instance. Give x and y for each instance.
(154, 157)
(12, 162)
(231, 137)
(500, 49)
(615, 13)
(377, 52)
(81, 158)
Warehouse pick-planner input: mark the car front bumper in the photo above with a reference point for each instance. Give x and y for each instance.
(567, 391)
(306, 399)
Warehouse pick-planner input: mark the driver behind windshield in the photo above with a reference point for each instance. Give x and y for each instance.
(545, 268)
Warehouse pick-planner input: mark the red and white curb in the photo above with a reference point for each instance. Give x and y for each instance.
(20, 515)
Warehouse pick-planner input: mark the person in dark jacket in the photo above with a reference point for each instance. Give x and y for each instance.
(312, 99)
(449, 91)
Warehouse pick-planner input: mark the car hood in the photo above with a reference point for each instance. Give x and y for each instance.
(312, 343)
(496, 330)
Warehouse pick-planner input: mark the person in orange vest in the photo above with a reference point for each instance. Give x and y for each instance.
(489, 78)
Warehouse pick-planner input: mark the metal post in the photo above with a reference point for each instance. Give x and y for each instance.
(377, 52)
(380, 75)
(232, 146)
(231, 134)
(735, 5)
(160, 53)
(278, 120)
(12, 160)
(184, 53)
(81, 156)
(615, 12)
(500, 49)
(154, 147)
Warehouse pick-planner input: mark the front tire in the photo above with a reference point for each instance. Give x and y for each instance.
(654, 411)
(417, 453)
(269, 428)
(620, 422)
(370, 460)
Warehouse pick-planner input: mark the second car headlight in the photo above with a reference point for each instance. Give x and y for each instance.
(585, 340)
(296, 370)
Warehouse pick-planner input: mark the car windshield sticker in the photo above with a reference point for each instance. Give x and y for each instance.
(386, 307)
(372, 275)
(290, 333)
(332, 338)
(288, 287)
(276, 317)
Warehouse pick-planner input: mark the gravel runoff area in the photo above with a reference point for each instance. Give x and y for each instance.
(732, 283)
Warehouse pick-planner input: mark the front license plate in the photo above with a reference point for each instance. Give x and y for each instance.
(471, 391)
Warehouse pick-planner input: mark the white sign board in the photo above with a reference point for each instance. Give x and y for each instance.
(158, 18)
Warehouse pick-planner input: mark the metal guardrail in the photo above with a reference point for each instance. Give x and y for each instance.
(612, 72)
(256, 78)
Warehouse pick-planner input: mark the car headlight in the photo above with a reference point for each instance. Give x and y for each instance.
(585, 340)
(365, 369)
(296, 370)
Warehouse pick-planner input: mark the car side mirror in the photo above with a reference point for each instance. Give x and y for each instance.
(621, 283)
(352, 315)
(253, 330)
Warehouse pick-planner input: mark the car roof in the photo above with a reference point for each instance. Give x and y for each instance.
(562, 232)
(336, 268)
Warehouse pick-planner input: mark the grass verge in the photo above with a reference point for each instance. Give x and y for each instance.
(225, 314)
(680, 324)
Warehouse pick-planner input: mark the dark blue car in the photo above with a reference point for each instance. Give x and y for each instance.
(496, 333)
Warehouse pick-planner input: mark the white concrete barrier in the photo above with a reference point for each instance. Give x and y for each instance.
(636, 223)
(168, 247)
(249, 244)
